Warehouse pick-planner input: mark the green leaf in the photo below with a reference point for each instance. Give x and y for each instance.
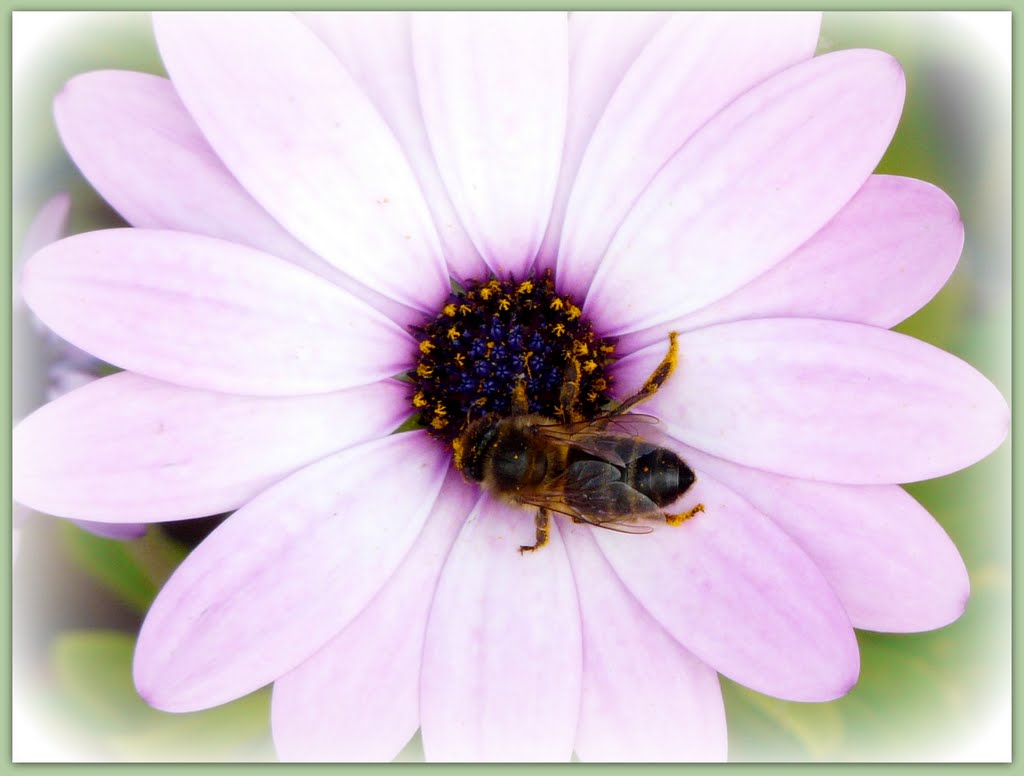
(133, 571)
(95, 690)
(93, 670)
(111, 563)
(764, 728)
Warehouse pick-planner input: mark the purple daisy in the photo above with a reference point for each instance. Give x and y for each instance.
(323, 202)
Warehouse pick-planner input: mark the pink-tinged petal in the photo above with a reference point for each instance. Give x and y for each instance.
(126, 130)
(493, 88)
(300, 135)
(502, 662)
(881, 259)
(824, 400)
(890, 563)
(376, 49)
(695, 66)
(602, 47)
(112, 530)
(740, 595)
(285, 573)
(645, 698)
(751, 186)
(48, 224)
(206, 313)
(129, 448)
(358, 698)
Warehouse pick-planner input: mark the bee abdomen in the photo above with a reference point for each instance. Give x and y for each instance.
(660, 475)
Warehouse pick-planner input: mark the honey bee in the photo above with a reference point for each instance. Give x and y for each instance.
(598, 471)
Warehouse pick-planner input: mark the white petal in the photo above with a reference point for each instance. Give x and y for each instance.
(284, 574)
(502, 662)
(300, 135)
(493, 87)
(358, 698)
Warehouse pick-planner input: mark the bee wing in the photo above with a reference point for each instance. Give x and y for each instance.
(629, 424)
(592, 492)
(556, 504)
(586, 475)
(617, 449)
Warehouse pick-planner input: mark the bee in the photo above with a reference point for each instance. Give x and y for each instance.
(598, 471)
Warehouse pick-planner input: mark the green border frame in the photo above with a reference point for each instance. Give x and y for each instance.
(1018, 90)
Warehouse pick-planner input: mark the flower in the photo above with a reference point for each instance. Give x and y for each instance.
(66, 366)
(320, 181)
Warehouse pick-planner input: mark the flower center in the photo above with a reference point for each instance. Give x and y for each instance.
(493, 335)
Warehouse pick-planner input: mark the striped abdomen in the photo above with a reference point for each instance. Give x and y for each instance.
(660, 475)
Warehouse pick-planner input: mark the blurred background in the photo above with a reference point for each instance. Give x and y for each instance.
(78, 599)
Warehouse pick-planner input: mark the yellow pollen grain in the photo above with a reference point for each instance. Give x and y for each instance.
(465, 309)
(453, 334)
(557, 303)
(525, 287)
(460, 359)
(580, 348)
(426, 346)
(439, 423)
(589, 366)
(424, 370)
(558, 329)
(418, 399)
(449, 310)
(485, 293)
(684, 516)
(573, 313)
(504, 303)
(607, 348)
(439, 409)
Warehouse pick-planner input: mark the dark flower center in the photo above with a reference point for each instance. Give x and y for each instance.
(493, 335)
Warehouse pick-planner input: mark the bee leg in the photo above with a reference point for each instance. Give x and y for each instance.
(542, 521)
(658, 377)
(520, 402)
(568, 398)
(683, 516)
